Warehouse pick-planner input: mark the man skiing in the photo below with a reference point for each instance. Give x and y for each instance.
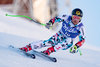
(63, 39)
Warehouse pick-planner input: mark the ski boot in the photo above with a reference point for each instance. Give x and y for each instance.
(49, 50)
(26, 48)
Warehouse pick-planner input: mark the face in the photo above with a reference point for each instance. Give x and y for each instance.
(75, 19)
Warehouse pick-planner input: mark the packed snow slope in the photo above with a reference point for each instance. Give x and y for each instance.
(20, 32)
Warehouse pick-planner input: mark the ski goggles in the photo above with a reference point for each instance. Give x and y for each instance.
(76, 17)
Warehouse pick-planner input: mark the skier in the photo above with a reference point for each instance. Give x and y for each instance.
(63, 39)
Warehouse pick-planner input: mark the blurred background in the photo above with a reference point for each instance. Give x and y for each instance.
(43, 10)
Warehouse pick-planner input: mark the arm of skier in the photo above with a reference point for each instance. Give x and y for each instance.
(52, 21)
(81, 38)
(81, 41)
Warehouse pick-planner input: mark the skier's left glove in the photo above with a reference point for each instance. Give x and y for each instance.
(73, 49)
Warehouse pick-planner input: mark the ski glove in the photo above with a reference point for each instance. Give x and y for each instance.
(48, 25)
(73, 49)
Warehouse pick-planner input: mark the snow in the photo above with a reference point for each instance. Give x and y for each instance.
(20, 32)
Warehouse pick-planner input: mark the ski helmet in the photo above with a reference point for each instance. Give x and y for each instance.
(77, 12)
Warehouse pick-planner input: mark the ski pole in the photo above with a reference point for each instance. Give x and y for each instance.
(26, 17)
(80, 51)
(19, 16)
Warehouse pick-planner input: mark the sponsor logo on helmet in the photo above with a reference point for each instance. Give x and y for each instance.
(78, 13)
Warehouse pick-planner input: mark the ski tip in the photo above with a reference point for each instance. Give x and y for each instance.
(33, 56)
(54, 60)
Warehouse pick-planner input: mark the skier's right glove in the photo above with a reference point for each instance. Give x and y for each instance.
(48, 25)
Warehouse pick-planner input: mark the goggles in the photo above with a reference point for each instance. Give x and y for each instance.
(76, 17)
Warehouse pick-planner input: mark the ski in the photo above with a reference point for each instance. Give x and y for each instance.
(33, 53)
(21, 51)
(40, 54)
